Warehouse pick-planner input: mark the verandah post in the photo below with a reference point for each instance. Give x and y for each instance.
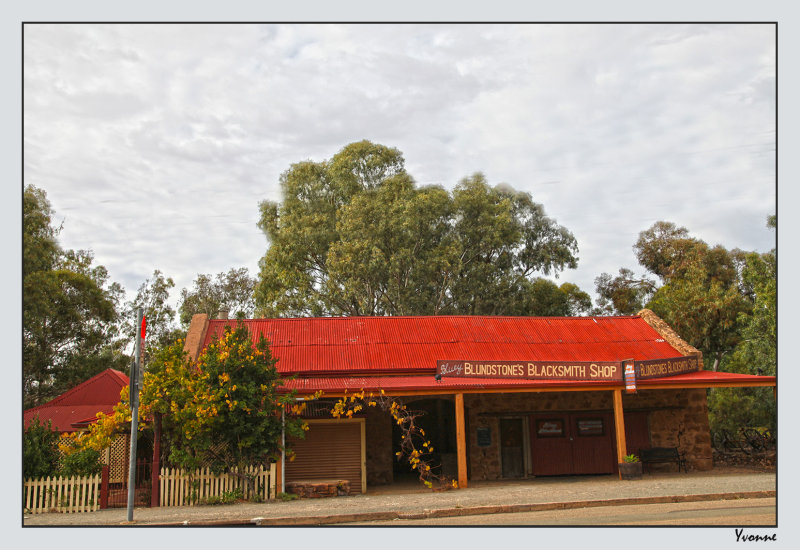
(461, 441)
(619, 425)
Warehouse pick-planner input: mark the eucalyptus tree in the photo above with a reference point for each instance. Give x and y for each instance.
(354, 235)
(231, 291)
(70, 318)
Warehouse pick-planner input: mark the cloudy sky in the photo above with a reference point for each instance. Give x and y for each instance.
(155, 143)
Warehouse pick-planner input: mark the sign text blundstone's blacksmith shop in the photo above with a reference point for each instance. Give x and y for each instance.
(665, 367)
(530, 370)
(566, 370)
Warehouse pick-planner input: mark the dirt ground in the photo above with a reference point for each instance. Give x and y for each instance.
(742, 462)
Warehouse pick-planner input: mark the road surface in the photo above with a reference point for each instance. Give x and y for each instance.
(736, 513)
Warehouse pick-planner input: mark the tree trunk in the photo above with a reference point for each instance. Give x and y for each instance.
(156, 468)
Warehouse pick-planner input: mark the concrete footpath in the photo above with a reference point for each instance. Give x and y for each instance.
(412, 501)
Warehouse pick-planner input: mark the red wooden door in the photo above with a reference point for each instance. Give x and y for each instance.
(637, 432)
(572, 443)
(550, 445)
(592, 443)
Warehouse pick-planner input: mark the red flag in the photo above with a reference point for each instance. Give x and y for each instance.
(144, 324)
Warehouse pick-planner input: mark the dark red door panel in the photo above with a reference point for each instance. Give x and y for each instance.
(551, 449)
(592, 444)
(572, 443)
(637, 433)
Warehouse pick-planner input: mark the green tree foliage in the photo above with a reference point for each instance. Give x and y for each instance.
(721, 301)
(355, 236)
(42, 454)
(69, 315)
(702, 308)
(731, 408)
(232, 291)
(578, 301)
(39, 238)
(701, 294)
(662, 248)
(701, 298)
(85, 462)
(39, 450)
(153, 299)
(624, 294)
(544, 298)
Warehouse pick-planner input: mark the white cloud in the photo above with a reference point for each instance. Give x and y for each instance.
(156, 142)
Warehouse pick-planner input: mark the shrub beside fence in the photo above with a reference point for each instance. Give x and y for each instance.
(182, 488)
(59, 494)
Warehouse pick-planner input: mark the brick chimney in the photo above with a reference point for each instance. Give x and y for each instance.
(196, 335)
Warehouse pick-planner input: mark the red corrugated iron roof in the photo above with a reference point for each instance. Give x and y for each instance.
(98, 394)
(325, 346)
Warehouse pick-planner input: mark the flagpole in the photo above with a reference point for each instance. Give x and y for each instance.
(133, 391)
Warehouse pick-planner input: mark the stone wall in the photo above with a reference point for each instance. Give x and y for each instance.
(677, 418)
(685, 427)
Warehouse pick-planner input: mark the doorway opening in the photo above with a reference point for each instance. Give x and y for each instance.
(512, 448)
(438, 422)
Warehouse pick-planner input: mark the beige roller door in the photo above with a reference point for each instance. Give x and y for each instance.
(332, 449)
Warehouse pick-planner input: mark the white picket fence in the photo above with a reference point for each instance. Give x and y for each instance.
(59, 494)
(178, 488)
(182, 488)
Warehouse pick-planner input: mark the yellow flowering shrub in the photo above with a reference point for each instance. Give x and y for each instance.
(223, 409)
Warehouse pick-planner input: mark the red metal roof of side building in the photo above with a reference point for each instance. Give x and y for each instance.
(76, 407)
(353, 346)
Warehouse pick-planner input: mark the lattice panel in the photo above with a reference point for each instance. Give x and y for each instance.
(119, 454)
(218, 449)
